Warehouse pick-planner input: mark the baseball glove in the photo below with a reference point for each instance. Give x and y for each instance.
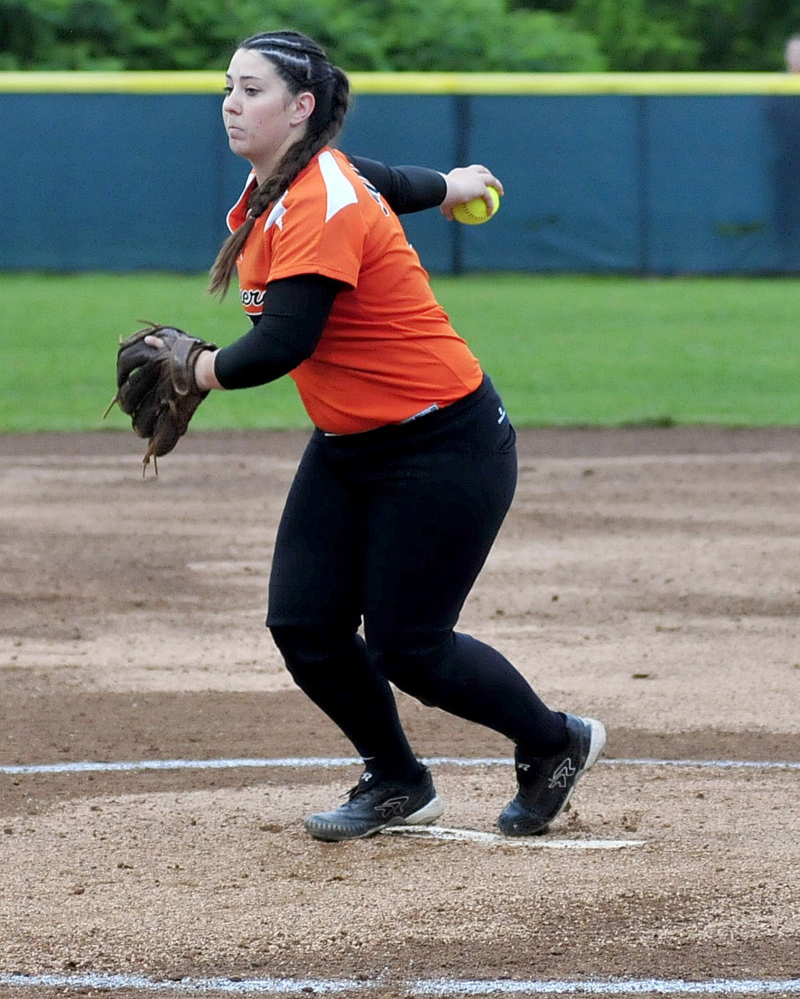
(156, 386)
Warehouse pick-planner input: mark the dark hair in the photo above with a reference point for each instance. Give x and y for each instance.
(303, 66)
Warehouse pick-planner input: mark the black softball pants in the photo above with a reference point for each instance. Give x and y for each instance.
(390, 528)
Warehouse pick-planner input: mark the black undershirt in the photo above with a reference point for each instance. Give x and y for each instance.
(296, 309)
(407, 189)
(286, 333)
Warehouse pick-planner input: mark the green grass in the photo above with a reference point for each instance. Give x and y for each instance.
(583, 350)
(562, 350)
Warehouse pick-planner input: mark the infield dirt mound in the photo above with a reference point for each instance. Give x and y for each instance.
(647, 577)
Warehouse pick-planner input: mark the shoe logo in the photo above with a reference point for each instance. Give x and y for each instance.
(366, 777)
(392, 808)
(563, 774)
(502, 413)
(524, 766)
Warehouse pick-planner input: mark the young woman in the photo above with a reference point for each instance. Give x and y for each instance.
(412, 466)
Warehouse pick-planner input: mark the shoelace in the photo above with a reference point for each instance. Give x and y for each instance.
(358, 788)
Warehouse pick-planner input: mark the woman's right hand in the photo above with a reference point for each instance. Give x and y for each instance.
(466, 183)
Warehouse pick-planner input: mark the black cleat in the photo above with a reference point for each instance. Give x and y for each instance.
(375, 803)
(545, 785)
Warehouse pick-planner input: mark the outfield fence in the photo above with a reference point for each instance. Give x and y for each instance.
(652, 174)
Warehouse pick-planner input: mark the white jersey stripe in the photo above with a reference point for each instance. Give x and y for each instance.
(276, 213)
(228, 217)
(339, 189)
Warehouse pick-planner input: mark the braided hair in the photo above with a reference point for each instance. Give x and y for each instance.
(303, 66)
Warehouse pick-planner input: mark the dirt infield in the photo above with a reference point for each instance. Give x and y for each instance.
(648, 577)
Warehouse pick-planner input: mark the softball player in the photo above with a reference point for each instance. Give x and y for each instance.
(412, 465)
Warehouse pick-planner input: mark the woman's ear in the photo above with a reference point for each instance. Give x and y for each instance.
(305, 103)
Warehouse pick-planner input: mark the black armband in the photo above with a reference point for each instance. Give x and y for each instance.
(286, 334)
(407, 189)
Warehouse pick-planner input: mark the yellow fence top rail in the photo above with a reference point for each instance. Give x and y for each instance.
(211, 82)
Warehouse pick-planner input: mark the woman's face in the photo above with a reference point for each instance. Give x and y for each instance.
(261, 117)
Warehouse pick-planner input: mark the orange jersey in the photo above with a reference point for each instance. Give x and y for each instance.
(388, 350)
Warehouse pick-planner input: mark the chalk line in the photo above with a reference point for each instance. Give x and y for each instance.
(100, 766)
(420, 987)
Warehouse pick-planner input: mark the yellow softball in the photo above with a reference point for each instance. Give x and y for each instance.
(475, 212)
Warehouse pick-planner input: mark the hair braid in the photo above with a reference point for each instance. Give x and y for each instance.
(303, 66)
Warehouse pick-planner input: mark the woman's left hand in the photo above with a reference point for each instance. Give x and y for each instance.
(204, 375)
(466, 183)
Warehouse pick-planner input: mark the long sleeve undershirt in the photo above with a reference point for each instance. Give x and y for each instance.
(286, 334)
(407, 189)
(296, 309)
